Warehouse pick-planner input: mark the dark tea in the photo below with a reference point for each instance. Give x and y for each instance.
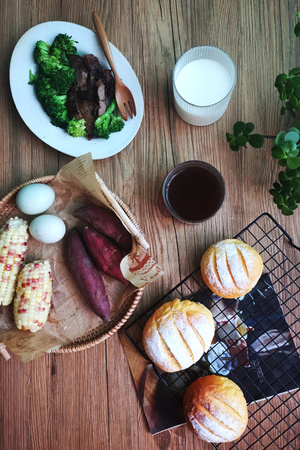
(194, 191)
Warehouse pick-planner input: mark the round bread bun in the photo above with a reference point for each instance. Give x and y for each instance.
(215, 409)
(177, 334)
(231, 268)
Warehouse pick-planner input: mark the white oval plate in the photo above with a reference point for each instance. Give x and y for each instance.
(32, 112)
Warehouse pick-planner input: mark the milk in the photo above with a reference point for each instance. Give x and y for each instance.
(203, 82)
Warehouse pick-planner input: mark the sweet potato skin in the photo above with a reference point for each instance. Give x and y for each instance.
(105, 222)
(86, 275)
(104, 253)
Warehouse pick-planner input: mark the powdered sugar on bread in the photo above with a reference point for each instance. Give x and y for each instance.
(231, 268)
(177, 334)
(215, 409)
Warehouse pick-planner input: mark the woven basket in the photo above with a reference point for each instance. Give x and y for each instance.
(105, 330)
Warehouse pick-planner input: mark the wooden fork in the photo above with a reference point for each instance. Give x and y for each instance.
(124, 98)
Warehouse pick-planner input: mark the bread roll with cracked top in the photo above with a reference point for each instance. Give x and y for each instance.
(215, 409)
(231, 268)
(177, 334)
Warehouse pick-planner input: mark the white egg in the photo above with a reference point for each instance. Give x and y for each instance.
(47, 228)
(35, 198)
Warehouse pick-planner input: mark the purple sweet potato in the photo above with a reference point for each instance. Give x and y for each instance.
(105, 254)
(105, 222)
(87, 276)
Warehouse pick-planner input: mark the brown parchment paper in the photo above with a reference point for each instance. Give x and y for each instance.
(70, 317)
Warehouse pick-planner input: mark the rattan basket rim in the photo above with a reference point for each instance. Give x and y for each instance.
(105, 330)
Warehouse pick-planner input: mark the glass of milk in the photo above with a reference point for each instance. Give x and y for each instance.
(203, 80)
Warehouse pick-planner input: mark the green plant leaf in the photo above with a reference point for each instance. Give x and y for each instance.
(289, 90)
(278, 152)
(277, 186)
(280, 78)
(288, 106)
(286, 189)
(278, 199)
(289, 146)
(241, 141)
(293, 153)
(295, 82)
(296, 197)
(297, 29)
(238, 128)
(292, 136)
(273, 192)
(291, 203)
(295, 71)
(234, 146)
(293, 162)
(283, 95)
(282, 162)
(282, 110)
(229, 137)
(294, 129)
(292, 173)
(282, 176)
(256, 140)
(295, 183)
(286, 211)
(293, 101)
(280, 138)
(249, 127)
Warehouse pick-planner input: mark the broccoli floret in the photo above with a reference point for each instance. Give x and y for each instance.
(64, 44)
(60, 119)
(41, 51)
(54, 58)
(76, 128)
(54, 78)
(62, 80)
(56, 108)
(108, 123)
(116, 123)
(43, 88)
(53, 104)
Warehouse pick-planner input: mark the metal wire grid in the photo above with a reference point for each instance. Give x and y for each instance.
(279, 254)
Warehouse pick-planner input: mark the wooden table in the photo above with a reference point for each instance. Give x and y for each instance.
(87, 400)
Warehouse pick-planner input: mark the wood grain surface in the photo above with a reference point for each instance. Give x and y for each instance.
(87, 400)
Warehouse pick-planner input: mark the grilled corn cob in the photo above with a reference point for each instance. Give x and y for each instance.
(33, 296)
(13, 246)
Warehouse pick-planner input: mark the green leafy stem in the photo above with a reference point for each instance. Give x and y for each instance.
(285, 149)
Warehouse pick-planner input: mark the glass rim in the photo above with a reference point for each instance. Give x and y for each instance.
(202, 47)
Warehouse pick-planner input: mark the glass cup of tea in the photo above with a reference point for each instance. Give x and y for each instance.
(203, 81)
(193, 191)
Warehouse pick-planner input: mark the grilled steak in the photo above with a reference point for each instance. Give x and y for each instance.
(100, 96)
(72, 102)
(80, 70)
(109, 81)
(86, 98)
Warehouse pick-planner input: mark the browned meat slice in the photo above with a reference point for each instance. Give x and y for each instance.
(72, 103)
(92, 62)
(88, 110)
(80, 70)
(109, 81)
(100, 97)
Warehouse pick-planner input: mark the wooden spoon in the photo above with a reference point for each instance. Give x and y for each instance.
(124, 98)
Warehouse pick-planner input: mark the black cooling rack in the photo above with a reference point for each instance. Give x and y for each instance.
(267, 320)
